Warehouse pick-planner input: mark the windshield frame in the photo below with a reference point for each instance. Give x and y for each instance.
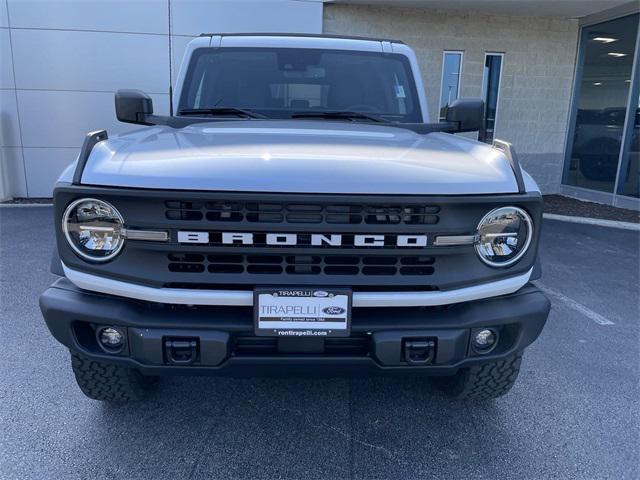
(415, 116)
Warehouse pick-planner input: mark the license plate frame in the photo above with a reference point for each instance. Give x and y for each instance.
(307, 307)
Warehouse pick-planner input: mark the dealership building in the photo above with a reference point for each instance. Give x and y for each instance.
(559, 78)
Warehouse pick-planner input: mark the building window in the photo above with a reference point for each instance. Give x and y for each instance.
(629, 183)
(451, 74)
(604, 110)
(491, 92)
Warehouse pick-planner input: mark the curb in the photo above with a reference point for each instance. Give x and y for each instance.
(594, 221)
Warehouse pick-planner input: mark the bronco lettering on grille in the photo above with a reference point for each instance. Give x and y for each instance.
(315, 239)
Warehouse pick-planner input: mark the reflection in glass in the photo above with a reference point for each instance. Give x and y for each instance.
(630, 173)
(602, 92)
(451, 70)
(490, 89)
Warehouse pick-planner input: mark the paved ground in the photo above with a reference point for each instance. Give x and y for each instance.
(573, 414)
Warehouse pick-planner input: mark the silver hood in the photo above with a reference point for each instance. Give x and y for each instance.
(300, 156)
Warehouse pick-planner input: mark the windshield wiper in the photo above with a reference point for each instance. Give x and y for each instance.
(221, 111)
(339, 115)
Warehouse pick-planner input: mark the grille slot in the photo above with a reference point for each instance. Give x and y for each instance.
(367, 265)
(247, 346)
(311, 213)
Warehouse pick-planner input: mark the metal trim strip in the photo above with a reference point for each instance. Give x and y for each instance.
(180, 296)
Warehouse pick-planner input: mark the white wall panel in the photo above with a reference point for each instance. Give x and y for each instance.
(12, 172)
(70, 55)
(144, 16)
(193, 17)
(44, 166)
(4, 19)
(9, 126)
(65, 60)
(62, 119)
(6, 64)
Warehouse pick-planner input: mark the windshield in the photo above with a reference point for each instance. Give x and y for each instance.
(280, 82)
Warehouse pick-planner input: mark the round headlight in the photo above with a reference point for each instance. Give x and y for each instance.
(504, 235)
(94, 229)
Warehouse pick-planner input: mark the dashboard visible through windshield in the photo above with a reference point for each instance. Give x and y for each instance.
(284, 83)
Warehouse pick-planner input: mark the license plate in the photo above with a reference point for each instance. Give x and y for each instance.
(302, 312)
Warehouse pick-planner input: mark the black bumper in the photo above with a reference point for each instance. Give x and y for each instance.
(226, 344)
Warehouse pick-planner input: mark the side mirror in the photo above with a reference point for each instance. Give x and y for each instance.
(132, 106)
(468, 114)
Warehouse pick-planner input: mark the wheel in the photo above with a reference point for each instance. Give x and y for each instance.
(108, 382)
(482, 382)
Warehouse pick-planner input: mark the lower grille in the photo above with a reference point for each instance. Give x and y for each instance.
(353, 265)
(357, 346)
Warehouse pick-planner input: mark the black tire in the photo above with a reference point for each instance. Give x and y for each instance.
(482, 382)
(108, 382)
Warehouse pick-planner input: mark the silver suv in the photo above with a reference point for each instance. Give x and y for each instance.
(296, 214)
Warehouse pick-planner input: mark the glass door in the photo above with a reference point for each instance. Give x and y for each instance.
(605, 66)
(629, 176)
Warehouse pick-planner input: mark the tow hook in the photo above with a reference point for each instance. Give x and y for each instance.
(419, 351)
(182, 351)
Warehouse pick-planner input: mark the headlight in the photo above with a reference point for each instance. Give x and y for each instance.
(504, 235)
(94, 229)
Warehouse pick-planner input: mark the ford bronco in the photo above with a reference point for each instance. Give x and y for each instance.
(296, 214)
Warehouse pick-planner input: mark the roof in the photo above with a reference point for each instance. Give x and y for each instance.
(311, 35)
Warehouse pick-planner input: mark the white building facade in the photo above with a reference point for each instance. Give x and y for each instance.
(545, 69)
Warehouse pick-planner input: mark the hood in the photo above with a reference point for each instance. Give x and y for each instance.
(299, 156)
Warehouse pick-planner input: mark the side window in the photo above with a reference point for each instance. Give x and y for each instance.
(451, 76)
(491, 91)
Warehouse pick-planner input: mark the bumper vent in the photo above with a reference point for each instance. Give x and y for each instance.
(355, 346)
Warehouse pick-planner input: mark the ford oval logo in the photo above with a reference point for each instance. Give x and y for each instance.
(333, 310)
(321, 294)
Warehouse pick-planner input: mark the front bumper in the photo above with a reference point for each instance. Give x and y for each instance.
(226, 344)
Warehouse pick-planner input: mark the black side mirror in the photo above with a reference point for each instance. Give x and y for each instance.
(468, 114)
(132, 106)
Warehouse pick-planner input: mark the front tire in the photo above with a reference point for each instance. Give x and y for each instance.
(108, 382)
(482, 382)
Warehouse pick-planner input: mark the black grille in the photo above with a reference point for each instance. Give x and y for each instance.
(367, 265)
(352, 245)
(316, 213)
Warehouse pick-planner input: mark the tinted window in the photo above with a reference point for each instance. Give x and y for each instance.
(602, 93)
(631, 157)
(451, 70)
(490, 90)
(278, 82)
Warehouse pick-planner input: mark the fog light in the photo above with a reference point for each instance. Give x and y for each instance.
(111, 338)
(484, 339)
